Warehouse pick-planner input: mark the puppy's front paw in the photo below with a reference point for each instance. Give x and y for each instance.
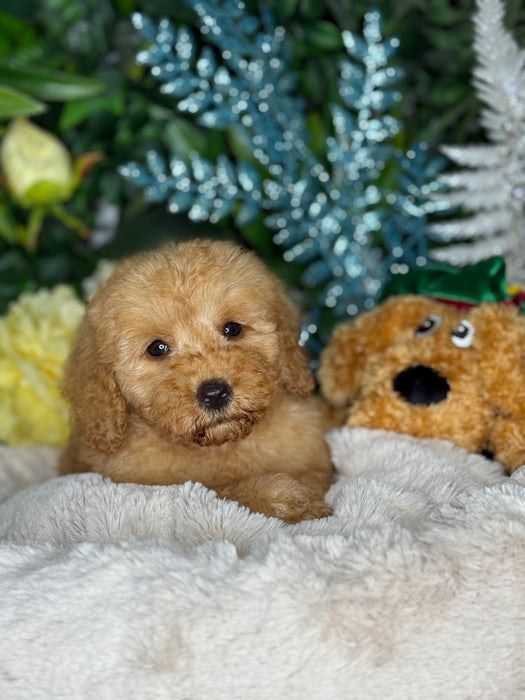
(286, 498)
(292, 501)
(277, 495)
(317, 509)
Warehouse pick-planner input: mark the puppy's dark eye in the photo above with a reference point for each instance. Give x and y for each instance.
(232, 329)
(158, 348)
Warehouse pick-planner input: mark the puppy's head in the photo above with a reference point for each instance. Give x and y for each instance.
(193, 339)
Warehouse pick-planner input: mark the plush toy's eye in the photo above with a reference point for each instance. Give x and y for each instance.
(429, 325)
(463, 336)
(232, 329)
(158, 348)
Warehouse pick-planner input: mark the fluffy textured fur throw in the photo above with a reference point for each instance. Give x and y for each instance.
(414, 588)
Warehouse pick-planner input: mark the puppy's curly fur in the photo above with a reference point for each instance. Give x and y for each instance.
(187, 367)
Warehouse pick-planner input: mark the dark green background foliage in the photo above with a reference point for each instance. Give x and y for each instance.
(95, 39)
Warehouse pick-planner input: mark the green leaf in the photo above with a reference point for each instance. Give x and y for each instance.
(442, 39)
(311, 9)
(16, 35)
(318, 134)
(50, 85)
(75, 112)
(126, 7)
(7, 225)
(285, 9)
(15, 276)
(324, 36)
(448, 17)
(240, 145)
(256, 235)
(182, 137)
(14, 103)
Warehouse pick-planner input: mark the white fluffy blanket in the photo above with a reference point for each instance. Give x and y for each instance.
(415, 588)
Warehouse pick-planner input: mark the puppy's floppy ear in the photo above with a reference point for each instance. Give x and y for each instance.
(296, 376)
(97, 406)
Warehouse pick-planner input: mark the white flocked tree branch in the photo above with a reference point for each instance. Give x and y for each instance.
(489, 187)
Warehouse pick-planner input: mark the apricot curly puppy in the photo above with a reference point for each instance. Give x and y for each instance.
(187, 367)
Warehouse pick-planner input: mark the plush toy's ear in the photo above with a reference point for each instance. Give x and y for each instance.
(344, 358)
(97, 406)
(296, 376)
(340, 365)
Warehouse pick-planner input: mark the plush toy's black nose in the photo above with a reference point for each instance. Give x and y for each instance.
(421, 385)
(214, 394)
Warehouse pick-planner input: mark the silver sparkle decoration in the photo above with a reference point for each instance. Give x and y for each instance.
(489, 189)
(328, 216)
(405, 231)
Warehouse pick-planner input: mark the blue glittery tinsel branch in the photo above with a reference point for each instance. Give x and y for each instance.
(332, 218)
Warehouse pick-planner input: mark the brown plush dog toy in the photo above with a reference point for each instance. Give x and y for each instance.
(433, 369)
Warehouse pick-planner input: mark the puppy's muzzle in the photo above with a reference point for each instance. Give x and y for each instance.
(421, 385)
(214, 394)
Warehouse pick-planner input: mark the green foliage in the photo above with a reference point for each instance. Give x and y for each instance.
(61, 258)
(77, 60)
(14, 103)
(26, 85)
(49, 85)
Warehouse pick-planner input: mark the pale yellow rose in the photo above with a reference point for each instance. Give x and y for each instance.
(37, 167)
(35, 339)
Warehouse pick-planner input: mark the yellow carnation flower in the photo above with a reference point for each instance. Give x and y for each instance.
(35, 339)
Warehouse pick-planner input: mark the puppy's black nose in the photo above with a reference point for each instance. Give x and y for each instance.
(421, 385)
(214, 394)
